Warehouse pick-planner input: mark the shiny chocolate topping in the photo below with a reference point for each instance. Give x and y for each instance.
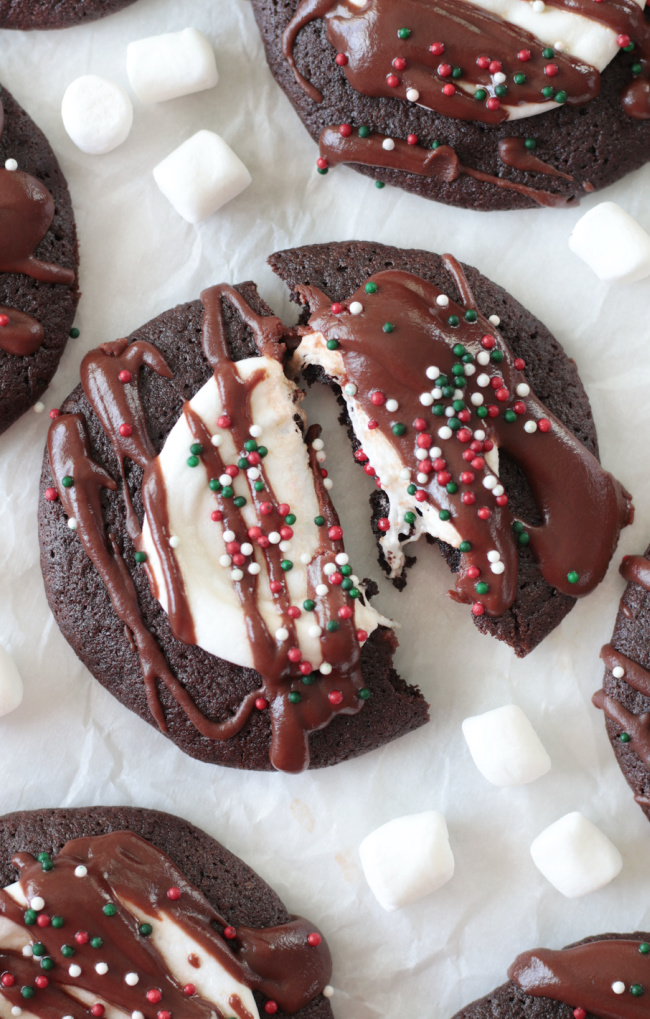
(605, 978)
(387, 346)
(113, 893)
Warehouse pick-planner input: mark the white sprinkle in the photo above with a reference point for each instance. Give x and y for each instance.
(618, 672)
(254, 569)
(405, 473)
(225, 479)
(355, 580)
(327, 484)
(246, 548)
(253, 473)
(356, 308)
(538, 6)
(493, 556)
(11, 165)
(74, 970)
(137, 1015)
(392, 406)
(216, 440)
(318, 444)
(350, 389)
(39, 407)
(101, 968)
(229, 535)
(432, 372)
(342, 559)
(72, 523)
(497, 567)
(436, 393)
(523, 389)
(498, 490)
(479, 434)
(422, 454)
(131, 979)
(325, 669)
(422, 479)
(435, 452)
(618, 987)
(38, 903)
(469, 369)
(282, 633)
(322, 456)
(285, 546)
(426, 399)
(315, 630)
(458, 394)
(81, 871)
(442, 301)
(18, 1011)
(498, 78)
(237, 574)
(305, 558)
(483, 381)
(321, 590)
(388, 144)
(328, 991)
(27, 951)
(490, 481)
(225, 560)
(494, 320)
(255, 431)
(477, 399)
(445, 432)
(483, 357)
(274, 537)
(449, 412)
(530, 427)
(412, 95)
(329, 569)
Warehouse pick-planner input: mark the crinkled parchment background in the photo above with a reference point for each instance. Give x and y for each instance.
(71, 744)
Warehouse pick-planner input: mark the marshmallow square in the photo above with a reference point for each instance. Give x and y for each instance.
(407, 858)
(576, 856)
(201, 175)
(166, 66)
(505, 747)
(613, 244)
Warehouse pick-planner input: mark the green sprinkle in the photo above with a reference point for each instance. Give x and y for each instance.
(454, 424)
(444, 515)
(519, 79)
(39, 949)
(438, 409)
(624, 737)
(319, 521)
(47, 865)
(193, 461)
(67, 951)
(458, 405)
(458, 369)
(27, 992)
(370, 287)
(517, 526)
(259, 486)
(67, 481)
(140, 557)
(250, 445)
(310, 679)
(530, 144)
(403, 33)
(110, 909)
(548, 91)
(452, 487)
(239, 501)
(309, 605)
(74, 333)
(364, 693)
(501, 91)
(481, 412)
(470, 316)
(388, 327)
(628, 49)
(398, 428)
(346, 585)
(637, 68)
(572, 577)
(294, 697)
(644, 948)
(364, 131)
(286, 565)
(465, 546)
(458, 349)
(561, 97)
(482, 587)
(227, 492)
(43, 856)
(214, 485)
(96, 942)
(448, 391)
(435, 145)
(57, 922)
(496, 356)
(548, 53)
(196, 449)
(510, 416)
(290, 518)
(412, 489)
(242, 463)
(322, 170)
(354, 592)
(480, 94)
(523, 538)
(345, 570)
(29, 917)
(379, 184)
(47, 963)
(333, 344)
(262, 450)
(636, 990)
(409, 517)
(332, 626)
(145, 929)
(467, 358)
(453, 320)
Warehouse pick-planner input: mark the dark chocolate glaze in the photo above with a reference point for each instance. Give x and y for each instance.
(635, 674)
(22, 334)
(513, 152)
(636, 570)
(582, 506)
(135, 877)
(441, 163)
(582, 976)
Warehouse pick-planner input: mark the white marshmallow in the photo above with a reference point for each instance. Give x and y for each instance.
(407, 858)
(505, 747)
(11, 685)
(201, 175)
(613, 244)
(167, 66)
(97, 114)
(576, 856)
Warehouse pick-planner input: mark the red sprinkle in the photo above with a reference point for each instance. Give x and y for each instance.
(334, 697)
(189, 990)
(7, 980)
(488, 342)
(392, 80)
(223, 421)
(174, 893)
(230, 933)
(271, 1007)
(360, 456)
(519, 407)
(286, 532)
(253, 458)
(488, 445)
(478, 463)
(294, 654)
(335, 533)
(412, 139)
(493, 103)
(437, 48)
(420, 424)
(520, 364)
(232, 547)
(443, 478)
(523, 55)
(467, 477)
(322, 163)
(345, 612)
(124, 375)
(424, 441)
(336, 578)
(372, 424)
(51, 494)
(264, 542)
(306, 668)
(232, 470)
(43, 920)
(449, 90)
(4, 321)
(551, 70)
(284, 509)
(484, 513)
(378, 399)
(421, 495)
(439, 464)
(341, 59)
(337, 307)
(98, 1010)
(502, 395)
(345, 130)
(82, 937)
(370, 470)
(399, 63)
(502, 500)
(266, 508)
(579, 1013)
(468, 498)
(468, 455)
(464, 416)
(275, 585)
(294, 612)
(478, 609)
(544, 425)
(464, 434)
(55, 413)
(473, 572)
(238, 559)
(493, 411)
(623, 41)
(483, 62)
(444, 70)
(41, 982)
(383, 524)
(261, 703)
(163, 1014)
(314, 939)
(495, 66)
(362, 636)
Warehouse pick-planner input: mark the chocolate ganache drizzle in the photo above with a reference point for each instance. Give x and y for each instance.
(300, 698)
(26, 214)
(97, 933)
(608, 978)
(434, 393)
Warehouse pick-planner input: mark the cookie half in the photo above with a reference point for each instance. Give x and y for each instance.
(56, 13)
(38, 262)
(166, 920)
(625, 696)
(414, 94)
(217, 603)
(473, 422)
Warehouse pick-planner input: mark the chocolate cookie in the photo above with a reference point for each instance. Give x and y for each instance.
(38, 262)
(167, 921)
(140, 561)
(417, 94)
(55, 13)
(480, 438)
(602, 976)
(625, 697)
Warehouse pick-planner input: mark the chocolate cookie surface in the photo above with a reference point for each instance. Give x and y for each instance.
(586, 146)
(38, 262)
(337, 271)
(233, 890)
(82, 605)
(40, 14)
(625, 696)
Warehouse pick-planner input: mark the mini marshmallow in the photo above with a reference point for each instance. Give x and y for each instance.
(407, 858)
(613, 244)
(201, 175)
(97, 114)
(505, 747)
(576, 856)
(11, 685)
(166, 66)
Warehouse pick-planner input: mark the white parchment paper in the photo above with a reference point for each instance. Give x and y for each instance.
(71, 744)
